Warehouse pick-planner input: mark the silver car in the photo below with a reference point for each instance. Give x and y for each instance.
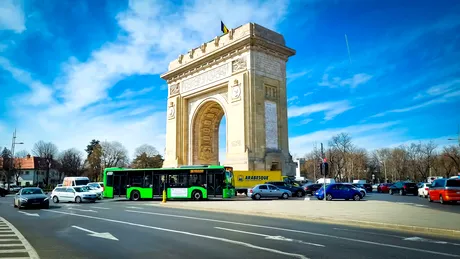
(268, 191)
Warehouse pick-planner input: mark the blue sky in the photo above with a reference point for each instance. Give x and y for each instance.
(72, 71)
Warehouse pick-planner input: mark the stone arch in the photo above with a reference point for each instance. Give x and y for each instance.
(205, 132)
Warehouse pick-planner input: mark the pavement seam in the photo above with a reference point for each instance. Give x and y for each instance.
(398, 227)
(28, 248)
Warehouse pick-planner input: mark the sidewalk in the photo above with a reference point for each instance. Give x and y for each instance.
(380, 214)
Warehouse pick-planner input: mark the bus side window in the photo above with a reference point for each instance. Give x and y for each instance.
(109, 180)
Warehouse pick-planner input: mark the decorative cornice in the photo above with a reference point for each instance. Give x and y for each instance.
(249, 43)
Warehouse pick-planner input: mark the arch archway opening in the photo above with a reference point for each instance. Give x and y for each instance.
(205, 133)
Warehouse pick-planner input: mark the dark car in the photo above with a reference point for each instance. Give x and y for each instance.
(367, 187)
(403, 188)
(296, 191)
(3, 192)
(311, 188)
(31, 197)
(339, 191)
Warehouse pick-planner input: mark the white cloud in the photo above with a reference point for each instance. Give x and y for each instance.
(12, 16)
(128, 93)
(352, 82)
(153, 34)
(331, 109)
(440, 89)
(293, 98)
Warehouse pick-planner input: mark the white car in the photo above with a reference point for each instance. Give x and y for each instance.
(97, 189)
(73, 194)
(423, 190)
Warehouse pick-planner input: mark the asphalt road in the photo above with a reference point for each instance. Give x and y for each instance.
(414, 200)
(125, 229)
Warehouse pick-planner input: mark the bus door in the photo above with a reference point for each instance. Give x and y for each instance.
(119, 183)
(157, 185)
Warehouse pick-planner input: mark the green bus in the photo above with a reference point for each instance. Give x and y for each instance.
(186, 182)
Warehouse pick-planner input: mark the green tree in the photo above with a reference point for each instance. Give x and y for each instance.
(94, 163)
(89, 148)
(147, 156)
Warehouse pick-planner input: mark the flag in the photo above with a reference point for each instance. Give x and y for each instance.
(223, 28)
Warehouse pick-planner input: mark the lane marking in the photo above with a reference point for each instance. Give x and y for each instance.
(421, 239)
(12, 251)
(7, 235)
(101, 208)
(299, 231)
(6, 231)
(131, 207)
(10, 245)
(368, 232)
(29, 214)
(188, 234)
(9, 240)
(82, 210)
(105, 235)
(28, 248)
(279, 238)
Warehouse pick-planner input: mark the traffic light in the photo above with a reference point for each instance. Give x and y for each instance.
(325, 168)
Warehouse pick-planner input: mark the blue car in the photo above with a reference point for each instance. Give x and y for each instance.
(339, 191)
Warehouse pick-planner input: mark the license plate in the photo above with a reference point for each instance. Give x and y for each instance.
(36, 203)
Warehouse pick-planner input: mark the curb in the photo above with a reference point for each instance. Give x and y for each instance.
(441, 232)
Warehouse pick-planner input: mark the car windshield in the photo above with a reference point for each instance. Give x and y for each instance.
(31, 191)
(94, 185)
(81, 189)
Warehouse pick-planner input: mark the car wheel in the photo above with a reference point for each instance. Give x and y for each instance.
(78, 199)
(356, 197)
(441, 199)
(429, 199)
(363, 193)
(14, 204)
(329, 197)
(55, 199)
(401, 192)
(390, 192)
(298, 194)
(257, 196)
(286, 196)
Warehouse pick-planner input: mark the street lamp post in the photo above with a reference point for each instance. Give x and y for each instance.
(13, 144)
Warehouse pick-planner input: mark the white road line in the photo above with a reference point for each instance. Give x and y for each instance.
(10, 245)
(368, 232)
(188, 234)
(8, 240)
(6, 231)
(134, 208)
(7, 235)
(29, 249)
(279, 238)
(101, 208)
(82, 210)
(298, 231)
(12, 251)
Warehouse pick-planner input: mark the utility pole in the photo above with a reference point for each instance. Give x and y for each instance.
(13, 144)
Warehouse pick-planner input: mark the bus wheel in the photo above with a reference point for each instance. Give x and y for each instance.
(135, 196)
(196, 195)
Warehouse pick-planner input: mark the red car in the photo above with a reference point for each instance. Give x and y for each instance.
(384, 187)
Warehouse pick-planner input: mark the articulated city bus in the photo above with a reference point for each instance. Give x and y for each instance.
(186, 182)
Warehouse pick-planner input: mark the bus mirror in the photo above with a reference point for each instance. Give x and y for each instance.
(128, 186)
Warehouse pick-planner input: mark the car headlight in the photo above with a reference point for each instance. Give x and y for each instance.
(23, 199)
(47, 198)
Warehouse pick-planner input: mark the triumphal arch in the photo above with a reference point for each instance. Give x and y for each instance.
(242, 75)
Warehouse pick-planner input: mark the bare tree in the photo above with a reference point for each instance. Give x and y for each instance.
(21, 154)
(47, 151)
(113, 154)
(71, 163)
(453, 153)
(149, 150)
(342, 144)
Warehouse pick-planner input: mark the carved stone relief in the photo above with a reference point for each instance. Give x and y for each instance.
(239, 64)
(174, 89)
(271, 125)
(171, 111)
(236, 91)
(268, 64)
(205, 78)
(236, 143)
